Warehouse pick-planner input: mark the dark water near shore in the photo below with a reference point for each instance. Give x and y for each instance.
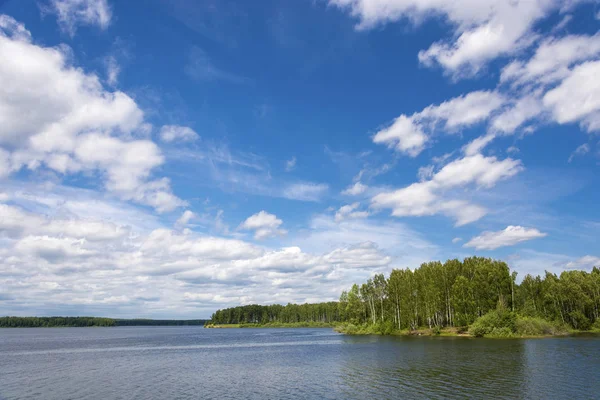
(197, 363)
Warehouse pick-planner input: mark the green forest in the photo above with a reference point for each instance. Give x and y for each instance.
(478, 294)
(52, 322)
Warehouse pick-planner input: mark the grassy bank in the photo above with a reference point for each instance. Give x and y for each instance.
(495, 324)
(351, 329)
(274, 325)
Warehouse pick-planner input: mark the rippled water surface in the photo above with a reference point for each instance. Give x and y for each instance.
(198, 363)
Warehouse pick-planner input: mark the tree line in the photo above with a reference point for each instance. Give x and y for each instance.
(327, 313)
(437, 295)
(51, 322)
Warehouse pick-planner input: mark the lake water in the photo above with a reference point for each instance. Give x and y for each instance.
(197, 363)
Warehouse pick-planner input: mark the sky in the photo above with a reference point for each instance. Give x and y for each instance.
(168, 159)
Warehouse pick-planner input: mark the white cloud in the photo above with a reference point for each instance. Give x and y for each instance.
(290, 164)
(552, 60)
(483, 30)
(349, 211)
(429, 197)
(507, 237)
(52, 249)
(185, 219)
(305, 191)
(403, 135)
(410, 134)
(579, 151)
(74, 13)
(478, 144)
(522, 110)
(264, 225)
(15, 222)
(426, 172)
(456, 240)
(54, 115)
(586, 263)
(355, 190)
(65, 264)
(174, 133)
(112, 70)
(577, 98)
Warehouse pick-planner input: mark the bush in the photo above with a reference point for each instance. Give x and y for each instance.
(532, 326)
(503, 332)
(497, 319)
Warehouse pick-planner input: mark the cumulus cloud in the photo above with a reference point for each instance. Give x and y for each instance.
(15, 222)
(355, 190)
(54, 115)
(586, 262)
(174, 133)
(185, 219)
(429, 197)
(410, 134)
(403, 135)
(78, 262)
(350, 211)
(508, 237)
(264, 225)
(552, 60)
(74, 13)
(554, 85)
(483, 30)
(577, 98)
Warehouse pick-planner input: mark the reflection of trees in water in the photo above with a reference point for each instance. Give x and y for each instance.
(562, 368)
(388, 367)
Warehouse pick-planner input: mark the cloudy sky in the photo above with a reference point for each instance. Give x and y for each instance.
(168, 160)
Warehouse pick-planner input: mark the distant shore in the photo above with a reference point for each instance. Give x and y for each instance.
(273, 325)
(82, 322)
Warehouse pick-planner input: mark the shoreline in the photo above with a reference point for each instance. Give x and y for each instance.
(421, 332)
(273, 325)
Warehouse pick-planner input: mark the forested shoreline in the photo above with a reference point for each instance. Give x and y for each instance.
(477, 294)
(72, 322)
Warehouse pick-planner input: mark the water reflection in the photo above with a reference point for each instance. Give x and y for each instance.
(191, 363)
(432, 368)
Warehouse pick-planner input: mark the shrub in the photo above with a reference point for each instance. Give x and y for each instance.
(533, 326)
(503, 332)
(486, 324)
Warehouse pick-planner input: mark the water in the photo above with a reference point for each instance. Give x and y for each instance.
(197, 363)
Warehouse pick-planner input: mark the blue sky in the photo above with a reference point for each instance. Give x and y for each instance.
(175, 158)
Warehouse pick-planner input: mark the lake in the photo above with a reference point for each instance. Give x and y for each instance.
(197, 363)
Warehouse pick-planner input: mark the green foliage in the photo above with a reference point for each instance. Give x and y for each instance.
(534, 326)
(54, 322)
(439, 295)
(579, 320)
(500, 323)
(158, 322)
(51, 322)
(323, 313)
